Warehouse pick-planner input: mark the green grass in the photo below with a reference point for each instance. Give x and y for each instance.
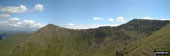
(159, 41)
(9, 43)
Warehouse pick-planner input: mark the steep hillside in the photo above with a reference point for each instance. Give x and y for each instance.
(53, 40)
(158, 41)
(138, 28)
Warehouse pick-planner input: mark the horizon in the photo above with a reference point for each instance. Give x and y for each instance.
(78, 14)
(107, 25)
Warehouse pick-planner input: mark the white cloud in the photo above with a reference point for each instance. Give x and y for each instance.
(31, 23)
(28, 22)
(13, 20)
(147, 17)
(4, 16)
(110, 19)
(14, 9)
(16, 22)
(98, 18)
(164, 19)
(70, 24)
(121, 19)
(39, 7)
(87, 26)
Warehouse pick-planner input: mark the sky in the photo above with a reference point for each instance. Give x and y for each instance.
(78, 14)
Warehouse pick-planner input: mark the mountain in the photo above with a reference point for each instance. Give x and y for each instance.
(53, 40)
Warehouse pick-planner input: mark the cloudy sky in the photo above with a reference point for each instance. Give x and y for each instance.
(78, 14)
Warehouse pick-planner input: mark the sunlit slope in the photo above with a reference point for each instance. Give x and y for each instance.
(158, 41)
(52, 40)
(9, 43)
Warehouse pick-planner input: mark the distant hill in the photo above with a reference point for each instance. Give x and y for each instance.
(4, 33)
(53, 40)
(0, 38)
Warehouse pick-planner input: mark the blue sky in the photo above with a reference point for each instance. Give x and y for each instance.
(79, 14)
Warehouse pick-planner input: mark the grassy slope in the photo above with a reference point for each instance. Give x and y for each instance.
(159, 41)
(10, 42)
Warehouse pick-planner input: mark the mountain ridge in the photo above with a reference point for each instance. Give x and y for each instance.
(133, 20)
